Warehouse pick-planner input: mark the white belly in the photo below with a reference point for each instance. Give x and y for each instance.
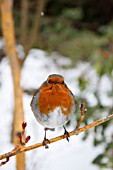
(53, 119)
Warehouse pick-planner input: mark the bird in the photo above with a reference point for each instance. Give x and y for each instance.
(53, 105)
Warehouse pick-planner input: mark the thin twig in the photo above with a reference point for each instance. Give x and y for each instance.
(83, 112)
(20, 149)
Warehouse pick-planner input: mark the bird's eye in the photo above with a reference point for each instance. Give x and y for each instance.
(63, 82)
(49, 81)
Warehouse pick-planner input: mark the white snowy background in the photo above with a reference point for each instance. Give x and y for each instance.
(75, 155)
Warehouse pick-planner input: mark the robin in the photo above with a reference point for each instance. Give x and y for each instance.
(53, 105)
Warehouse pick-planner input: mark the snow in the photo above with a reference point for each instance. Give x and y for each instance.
(61, 155)
(104, 91)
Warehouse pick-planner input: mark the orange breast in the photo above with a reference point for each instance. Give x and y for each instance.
(52, 96)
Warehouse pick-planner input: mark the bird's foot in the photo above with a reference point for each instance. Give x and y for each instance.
(45, 142)
(66, 133)
(76, 131)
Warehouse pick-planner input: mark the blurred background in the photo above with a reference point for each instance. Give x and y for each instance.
(71, 38)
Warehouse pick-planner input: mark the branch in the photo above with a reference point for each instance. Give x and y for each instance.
(22, 142)
(19, 148)
(83, 112)
(7, 23)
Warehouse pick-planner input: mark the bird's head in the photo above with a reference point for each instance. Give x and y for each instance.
(55, 79)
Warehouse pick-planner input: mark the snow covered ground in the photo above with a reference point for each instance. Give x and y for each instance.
(75, 155)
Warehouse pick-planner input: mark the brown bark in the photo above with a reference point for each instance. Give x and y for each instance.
(24, 21)
(9, 37)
